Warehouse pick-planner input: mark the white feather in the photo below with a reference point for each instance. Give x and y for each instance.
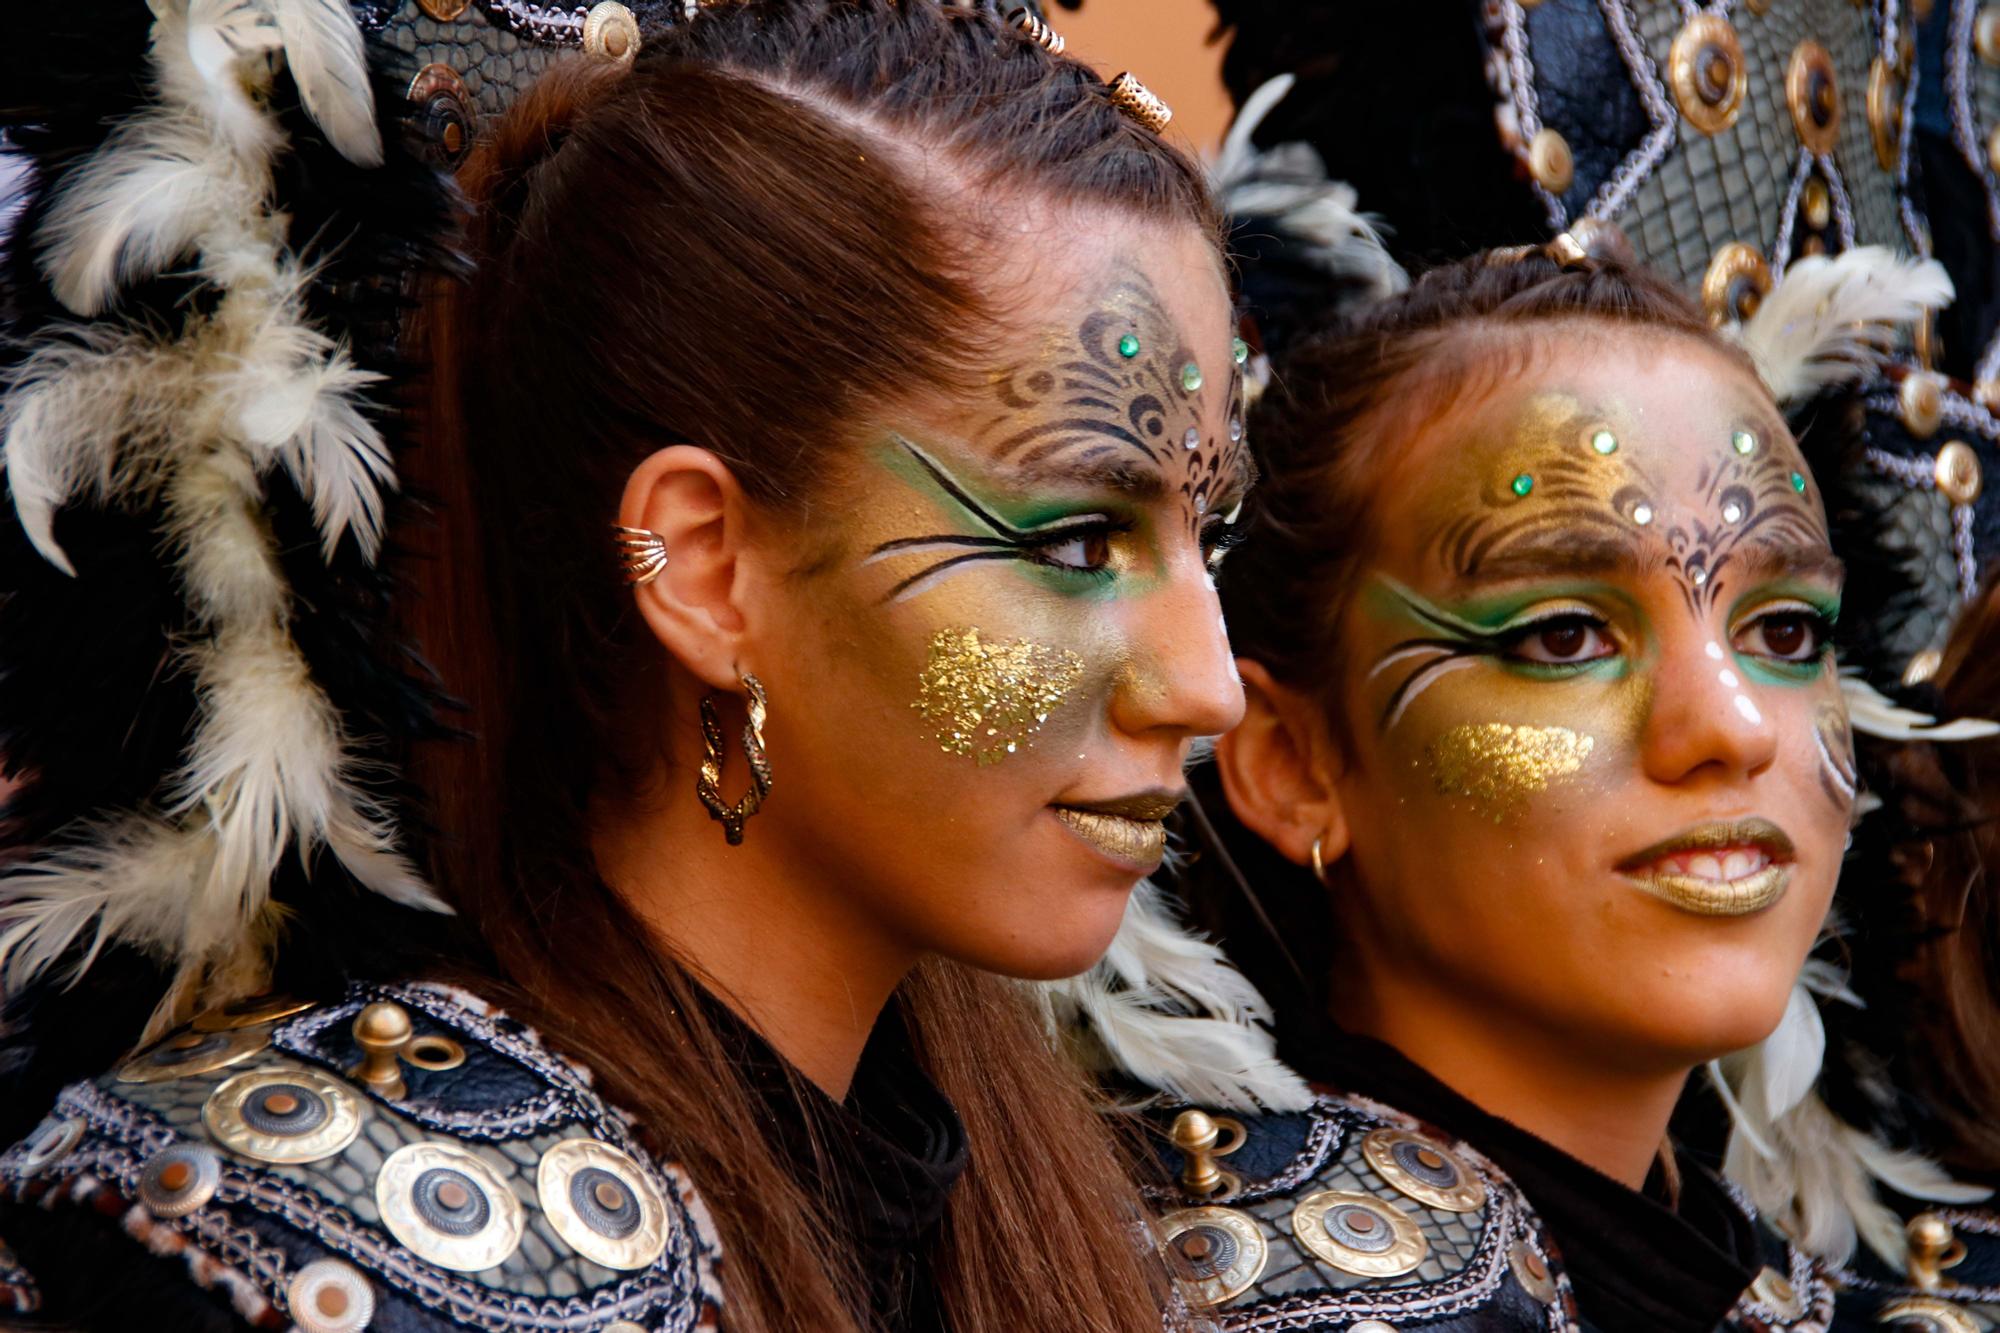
(328, 62)
(1166, 1008)
(213, 58)
(1791, 1057)
(1831, 320)
(1874, 714)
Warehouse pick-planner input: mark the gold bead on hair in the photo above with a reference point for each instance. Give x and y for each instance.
(1139, 102)
(1040, 33)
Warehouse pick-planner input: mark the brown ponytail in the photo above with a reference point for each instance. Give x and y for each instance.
(726, 245)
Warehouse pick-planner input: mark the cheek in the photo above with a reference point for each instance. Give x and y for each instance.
(985, 699)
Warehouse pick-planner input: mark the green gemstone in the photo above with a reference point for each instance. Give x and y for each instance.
(1523, 484)
(1240, 350)
(1799, 482)
(1190, 377)
(1604, 442)
(1128, 346)
(1744, 442)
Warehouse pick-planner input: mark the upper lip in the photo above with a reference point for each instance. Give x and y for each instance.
(1715, 836)
(1154, 804)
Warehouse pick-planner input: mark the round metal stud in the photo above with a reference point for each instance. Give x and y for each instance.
(444, 11)
(188, 1052)
(288, 1114)
(1986, 34)
(1926, 1314)
(1958, 473)
(1885, 112)
(52, 1141)
(1431, 1174)
(1531, 1271)
(1216, 1252)
(444, 121)
(179, 1179)
(1774, 1289)
(1358, 1233)
(1816, 203)
(329, 1296)
(448, 1206)
(610, 32)
(1372, 1326)
(1549, 161)
(1813, 94)
(434, 1052)
(601, 1203)
(1736, 283)
(249, 1013)
(1706, 71)
(1921, 403)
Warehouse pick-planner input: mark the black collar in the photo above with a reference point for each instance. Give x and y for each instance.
(1637, 1263)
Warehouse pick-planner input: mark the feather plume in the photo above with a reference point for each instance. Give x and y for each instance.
(1831, 321)
(1874, 714)
(1287, 186)
(1168, 1009)
(213, 58)
(330, 66)
(1798, 1162)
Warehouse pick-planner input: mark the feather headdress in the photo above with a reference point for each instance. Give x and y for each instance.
(186, 420)
(1833, 321)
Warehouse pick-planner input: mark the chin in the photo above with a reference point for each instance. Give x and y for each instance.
(1711, 1021)
(1050, 945)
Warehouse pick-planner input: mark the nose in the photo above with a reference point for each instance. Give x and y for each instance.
(1182, 677)
(1704, 720)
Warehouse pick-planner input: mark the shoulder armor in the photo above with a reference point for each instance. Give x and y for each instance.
(429, 1165)
(1350, 1212)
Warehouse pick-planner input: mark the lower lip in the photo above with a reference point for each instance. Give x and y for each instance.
(1717, 897)
(1138, 843)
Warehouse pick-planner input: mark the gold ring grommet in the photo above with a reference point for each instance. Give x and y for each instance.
(611, 33)
(434, 1052)
(443, 114)
(1735, 284)
(601, 1204)
(1813, 94)
(1774, 1289)
(1359, 1233)
(1216, 1252)
(1986, 34)
(179, 1179)
(287, 1114)
(444, 11)
(52, 1141)
(1706, 71)
(1549, 161)
(1531, 1271)
(1927, 1314)
(1885, 112)
(1921, 400)
(189, 1052)
(1816, 203)
(1958, 473)
(447, 1205)
(1140, 103)
(1428, 1172)
(330, 1296)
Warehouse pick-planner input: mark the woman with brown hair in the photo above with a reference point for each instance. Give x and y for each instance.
(829, 447)
(1534, 619)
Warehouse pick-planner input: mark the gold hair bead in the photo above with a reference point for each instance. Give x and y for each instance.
(1038, 31)
(1139, 102)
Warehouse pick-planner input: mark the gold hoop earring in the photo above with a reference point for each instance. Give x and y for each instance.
(708, 784)
(1319, 866)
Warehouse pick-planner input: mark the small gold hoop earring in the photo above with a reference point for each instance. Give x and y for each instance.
(708, 784)
(1319, 866)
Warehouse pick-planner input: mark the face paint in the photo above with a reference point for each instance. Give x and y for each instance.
(1497, 766)
(1833, 737)
(987, 700)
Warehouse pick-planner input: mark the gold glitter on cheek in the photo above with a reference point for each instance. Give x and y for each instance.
(1497, 766)
(987, 699)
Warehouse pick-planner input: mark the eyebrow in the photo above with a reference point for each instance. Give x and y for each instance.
(1756, 563)
(1580, 554)
(1109, 471)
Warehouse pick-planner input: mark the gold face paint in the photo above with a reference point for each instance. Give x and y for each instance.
(987, 700)
(1498, 766)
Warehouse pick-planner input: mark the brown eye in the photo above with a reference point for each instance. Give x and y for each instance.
(1563, 640)
(1788, 636)
(1086, 550)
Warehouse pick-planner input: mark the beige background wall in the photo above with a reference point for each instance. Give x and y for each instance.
(1165, 43)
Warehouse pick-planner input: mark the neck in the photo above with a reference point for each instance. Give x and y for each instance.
(1551, 1084)
(790, 953)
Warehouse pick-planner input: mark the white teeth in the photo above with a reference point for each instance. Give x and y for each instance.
(1705, 867)
(1738, 864)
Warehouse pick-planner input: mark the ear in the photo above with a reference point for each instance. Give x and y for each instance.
(1279, 770)
(692, 500)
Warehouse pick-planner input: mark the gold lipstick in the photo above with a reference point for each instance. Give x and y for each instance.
(1716, 869)
(1129, 829)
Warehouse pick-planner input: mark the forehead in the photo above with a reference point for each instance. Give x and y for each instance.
(1605, 435)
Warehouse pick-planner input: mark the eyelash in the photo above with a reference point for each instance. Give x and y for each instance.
(1217, 540)
(1510, 640)
(1037, 552)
